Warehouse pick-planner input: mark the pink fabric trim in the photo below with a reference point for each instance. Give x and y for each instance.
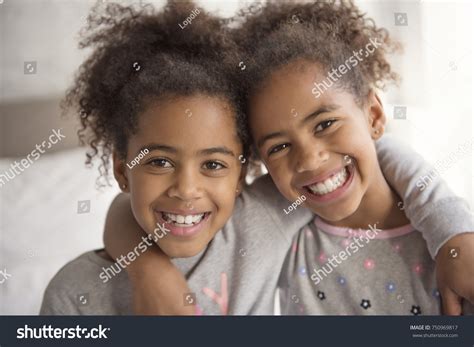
(348, 232)
(222, 298)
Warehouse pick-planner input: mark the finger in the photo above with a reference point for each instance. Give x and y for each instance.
(452, 303)
(470, 296)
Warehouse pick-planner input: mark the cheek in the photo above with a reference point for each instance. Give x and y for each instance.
(147, 187)
(355, 139)
(222, 192)
(366, 156)
(282, 179)
(145, 191)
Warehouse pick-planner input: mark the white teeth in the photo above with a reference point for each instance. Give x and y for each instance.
(330, 184)
(185, 220)
(197, 218)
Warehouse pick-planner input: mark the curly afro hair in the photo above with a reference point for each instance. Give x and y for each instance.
(327, 32)
(141, 54)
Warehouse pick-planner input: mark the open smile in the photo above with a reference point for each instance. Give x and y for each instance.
(332, 186)
(184, 224)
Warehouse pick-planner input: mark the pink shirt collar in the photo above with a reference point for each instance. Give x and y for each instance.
(348, 232)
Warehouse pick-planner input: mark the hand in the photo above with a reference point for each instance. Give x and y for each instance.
(455, 273)
(158, 287)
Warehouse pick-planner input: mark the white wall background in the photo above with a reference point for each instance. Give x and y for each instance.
(46, 31)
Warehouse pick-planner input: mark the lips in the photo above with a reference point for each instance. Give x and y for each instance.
(183, 224)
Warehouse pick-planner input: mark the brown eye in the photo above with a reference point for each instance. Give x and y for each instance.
(324, 125)
(160, 162)
(213, 165)
(278, 148)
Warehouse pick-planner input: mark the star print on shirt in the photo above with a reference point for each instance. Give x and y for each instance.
(365, 304)
(390, 287)
(415, 310)
(321, 295)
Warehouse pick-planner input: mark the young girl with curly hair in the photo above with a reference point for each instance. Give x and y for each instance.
(362, 254)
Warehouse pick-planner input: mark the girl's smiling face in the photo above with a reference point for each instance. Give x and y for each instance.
(190, 176)
(323, 147)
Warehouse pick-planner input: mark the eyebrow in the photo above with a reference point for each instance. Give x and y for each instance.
(214, 150)
(268, 137)
(158, 147)
(208, 151)
(322, 109)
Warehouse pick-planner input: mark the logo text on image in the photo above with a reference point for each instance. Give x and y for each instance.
(190, 18)
(349, 63)
(124, 260)
(352, 248)
(137, 159)
(444, 164)
(4, 276)
(48, 332)
(295, 204)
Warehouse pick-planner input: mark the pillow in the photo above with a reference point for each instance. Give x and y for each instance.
(49, 214)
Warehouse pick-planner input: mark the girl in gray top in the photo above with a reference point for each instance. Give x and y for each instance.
(328, 67)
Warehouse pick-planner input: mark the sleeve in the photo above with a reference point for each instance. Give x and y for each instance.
(289, 221)
(430, 205)
(54, 304)
(60, 296)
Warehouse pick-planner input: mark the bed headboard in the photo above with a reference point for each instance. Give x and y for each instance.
(23, 124)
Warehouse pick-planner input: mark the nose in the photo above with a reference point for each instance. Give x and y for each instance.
(186, 186)
(310, 158)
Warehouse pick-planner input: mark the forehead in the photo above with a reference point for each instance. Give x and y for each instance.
(288, 86)
(286, 97)
(188, 121)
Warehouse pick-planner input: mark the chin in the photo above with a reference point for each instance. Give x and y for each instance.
(181, 252)
(337, 213)
(332, 217)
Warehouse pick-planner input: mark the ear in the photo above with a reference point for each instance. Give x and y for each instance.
(377, 118)
(120, 173)
(243, 173)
